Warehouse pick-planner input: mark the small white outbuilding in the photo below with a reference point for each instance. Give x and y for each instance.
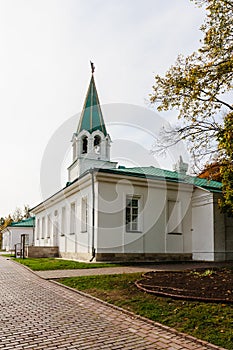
(12, 234)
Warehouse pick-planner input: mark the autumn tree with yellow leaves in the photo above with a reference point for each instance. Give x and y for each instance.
(198, 87)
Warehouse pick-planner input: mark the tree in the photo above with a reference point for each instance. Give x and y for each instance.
(20, 214)
(196, 86)
(17, 215)
(211, 172)
(4, 222)
(26, 212)
(225, 138)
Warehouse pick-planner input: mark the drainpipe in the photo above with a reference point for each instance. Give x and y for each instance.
(33, 231)
(93, 215)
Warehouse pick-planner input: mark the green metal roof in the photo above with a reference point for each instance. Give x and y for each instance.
(168, 175)
(92, 118)
(30, 222)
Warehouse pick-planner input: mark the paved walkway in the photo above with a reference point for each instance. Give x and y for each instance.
(38, 314)
(52, 274)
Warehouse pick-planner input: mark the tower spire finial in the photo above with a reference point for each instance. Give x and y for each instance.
(92, 67)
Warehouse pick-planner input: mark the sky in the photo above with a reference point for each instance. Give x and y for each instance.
(45, 50)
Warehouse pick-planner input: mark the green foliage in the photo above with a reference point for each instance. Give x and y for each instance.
(203, 274)
(210, 322)
(196, 85)
(18, 215)
(4, 222)
(8, 255)
(44, 264)
(225, 138)
(106, 282)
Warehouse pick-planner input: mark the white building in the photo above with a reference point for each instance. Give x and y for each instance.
(116, 213)
(12, 234)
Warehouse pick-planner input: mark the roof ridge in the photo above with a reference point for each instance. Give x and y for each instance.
(173, 175)
(23, 221)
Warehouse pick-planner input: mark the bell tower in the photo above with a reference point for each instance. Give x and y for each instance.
(91, 142)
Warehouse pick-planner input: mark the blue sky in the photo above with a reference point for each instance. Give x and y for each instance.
(46, 46)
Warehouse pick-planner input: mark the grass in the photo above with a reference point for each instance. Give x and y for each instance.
(8, 255)
(44, 264)
(206, 321)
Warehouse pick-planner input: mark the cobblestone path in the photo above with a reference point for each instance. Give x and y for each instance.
(37, 314)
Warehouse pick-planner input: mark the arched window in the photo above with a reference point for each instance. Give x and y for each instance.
(84, 149)
(97, 141)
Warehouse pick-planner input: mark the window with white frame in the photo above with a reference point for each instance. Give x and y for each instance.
(38, 228)
(84, 213)
(174, 222)
(132, 213)
(72, 218)
(43, 227)
(63, 221)
(49, 226)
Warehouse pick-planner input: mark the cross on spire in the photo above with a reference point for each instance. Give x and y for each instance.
(92, 67)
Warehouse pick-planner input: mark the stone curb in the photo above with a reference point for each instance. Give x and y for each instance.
(144, 319)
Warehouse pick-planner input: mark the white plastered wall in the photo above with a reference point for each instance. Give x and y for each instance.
(74, 244)
(152, 235)
(12, 236)
(202, 225)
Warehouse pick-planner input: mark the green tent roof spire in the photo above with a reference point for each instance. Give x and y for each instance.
(91, 117)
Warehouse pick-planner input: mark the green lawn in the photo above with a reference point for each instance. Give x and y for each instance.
(43, 264)
(8, 255)
(207, 321)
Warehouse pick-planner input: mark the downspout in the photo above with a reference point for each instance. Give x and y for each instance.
(93, 215)
(33, 231)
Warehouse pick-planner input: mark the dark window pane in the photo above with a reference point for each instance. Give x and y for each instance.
(128, 227)
(127, 215)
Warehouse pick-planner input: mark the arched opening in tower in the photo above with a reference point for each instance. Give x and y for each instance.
(84, 150)
(97, 141)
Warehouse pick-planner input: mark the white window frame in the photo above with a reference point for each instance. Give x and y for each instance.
(132, 225)
(63, 221)
(72, 218)
(84, 214)
(49, 226)
(43, 227)
(38, 228)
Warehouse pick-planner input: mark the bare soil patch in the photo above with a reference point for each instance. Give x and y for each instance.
(202, 284)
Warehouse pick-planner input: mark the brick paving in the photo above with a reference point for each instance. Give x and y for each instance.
(38, 314)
